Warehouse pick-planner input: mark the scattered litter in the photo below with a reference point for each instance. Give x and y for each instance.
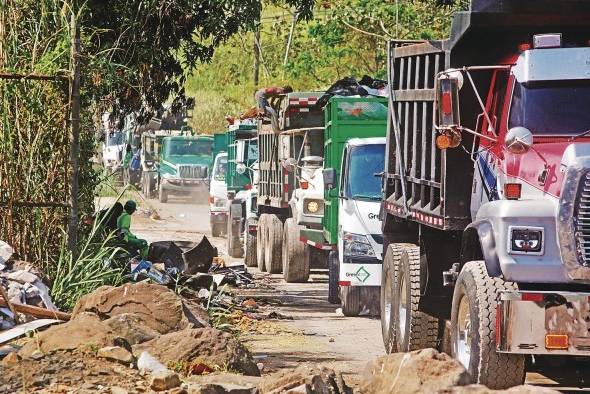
(339, 312)
(260, 366)
(331, 340)
(147, 363)
(249, 303)
(279, 316)
(24, 328)
(365, 312)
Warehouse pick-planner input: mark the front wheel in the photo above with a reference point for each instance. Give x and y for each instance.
(163, 195)
(473, 329)
(333, 278)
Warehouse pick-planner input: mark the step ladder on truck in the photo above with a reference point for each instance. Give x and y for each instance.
(485, 210)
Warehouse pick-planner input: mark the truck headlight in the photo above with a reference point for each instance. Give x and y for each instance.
(357, 245)
(313, 206)
(526, 240)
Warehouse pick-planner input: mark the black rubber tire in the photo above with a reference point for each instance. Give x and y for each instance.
(388, 277)
(251, 259)
(351, 300)
(294, 258)
(234, 245)
(261, 240)
(217, 229)
(486, 366)
(421, 329)
(333, 278)
(273, 247)
(163, 195)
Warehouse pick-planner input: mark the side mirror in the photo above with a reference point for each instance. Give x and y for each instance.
(449, 84)
(241, 168)
(329, 178)
(518, 140)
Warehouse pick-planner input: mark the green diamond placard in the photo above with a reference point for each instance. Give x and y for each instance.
(362, 274)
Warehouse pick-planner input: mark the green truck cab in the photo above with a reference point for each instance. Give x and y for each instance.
(176, 164)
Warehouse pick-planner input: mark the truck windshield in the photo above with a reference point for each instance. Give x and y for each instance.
(550, 108)
(220, 169)
(363, 163)
(189, 147)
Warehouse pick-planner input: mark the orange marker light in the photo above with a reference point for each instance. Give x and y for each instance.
(524, 47)
(304, 185)
(556, 341)
(512, 191)
(443, 141)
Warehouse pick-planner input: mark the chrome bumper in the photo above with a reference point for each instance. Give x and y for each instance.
(185, 185)
(528, 323)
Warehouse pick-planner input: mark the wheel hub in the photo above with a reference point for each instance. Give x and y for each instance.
(463, 336)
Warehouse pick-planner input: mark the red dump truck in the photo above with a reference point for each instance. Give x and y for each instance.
(486, 208)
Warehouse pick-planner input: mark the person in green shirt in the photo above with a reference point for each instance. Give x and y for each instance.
(124, 226)
(128, 156)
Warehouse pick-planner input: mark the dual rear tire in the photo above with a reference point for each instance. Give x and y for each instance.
(295, 254)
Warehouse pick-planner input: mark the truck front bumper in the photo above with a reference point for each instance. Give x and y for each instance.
(543, 323)
(185, 185)
(218, 217)
(315, 239)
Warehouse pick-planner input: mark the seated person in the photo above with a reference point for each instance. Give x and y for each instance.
(135, 245)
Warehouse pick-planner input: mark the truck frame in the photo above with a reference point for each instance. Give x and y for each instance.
(484, 218)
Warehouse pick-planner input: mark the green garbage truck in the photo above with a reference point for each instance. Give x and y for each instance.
(354, 156)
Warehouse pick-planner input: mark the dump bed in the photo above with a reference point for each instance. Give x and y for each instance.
(346, 118)
(423, 183)
(235, 181)
(298, 112)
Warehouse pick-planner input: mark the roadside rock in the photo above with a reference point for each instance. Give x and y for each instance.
(131, 327)
(116, 353)
(306, 378)
(87, 331)
(420, 371)
(481, 389)
(207, 345)
(10, 360)
(158, 307)
(224, 383)
(164, 380)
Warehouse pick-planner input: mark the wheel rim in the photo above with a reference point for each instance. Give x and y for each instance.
(402, 309)
(463, 334)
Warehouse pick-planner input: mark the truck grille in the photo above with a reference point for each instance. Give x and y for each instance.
(582, 221)
(192, 172)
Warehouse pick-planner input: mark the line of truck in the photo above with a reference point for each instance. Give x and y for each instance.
(461, 202)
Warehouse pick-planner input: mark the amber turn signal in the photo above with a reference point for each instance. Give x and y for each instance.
(556, 341)
(448, 140)
(512, 190)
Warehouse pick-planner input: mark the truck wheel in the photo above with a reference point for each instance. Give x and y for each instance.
(261, 241)
(414, 329)
(473, 329)
(272, 249)
(234, 245)
(333, 278)
(251, 247)
(351, 300)
(163, 195)
(295, 259)
(216, 229)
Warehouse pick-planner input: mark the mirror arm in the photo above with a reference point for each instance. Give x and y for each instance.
(463, 128)
(483, 108)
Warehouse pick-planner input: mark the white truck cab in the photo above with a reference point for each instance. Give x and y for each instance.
(360, 238)
(218, 196)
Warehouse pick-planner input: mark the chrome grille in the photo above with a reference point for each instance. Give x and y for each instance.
(582, 221)
(192, 172)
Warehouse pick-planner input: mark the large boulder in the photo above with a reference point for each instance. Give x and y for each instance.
(209, 346)
(86, 332)
(420, 371)
(306, 378)
(158, 307)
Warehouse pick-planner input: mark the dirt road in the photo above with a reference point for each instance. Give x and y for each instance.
(316, 333)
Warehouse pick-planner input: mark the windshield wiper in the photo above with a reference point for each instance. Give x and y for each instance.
(582, 134)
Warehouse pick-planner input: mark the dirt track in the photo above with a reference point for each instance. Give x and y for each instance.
(316, 333)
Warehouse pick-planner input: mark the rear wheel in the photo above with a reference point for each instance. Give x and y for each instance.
(251, 247)
(234, 245)
(273, 247)
(294, 257)
(163, 195)
(351, 300)
(216, 229)
(473, 329)
(261, 241)
(414, 329)
(333, 277)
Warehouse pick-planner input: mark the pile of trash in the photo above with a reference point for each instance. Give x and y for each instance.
(22, 291)
(188, 266)
(350, 87)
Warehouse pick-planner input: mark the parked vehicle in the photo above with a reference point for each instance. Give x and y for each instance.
(288, 161)
(218, 196)
(219, 143)
(351, 228)
(485, 216)
(113, 147)
(241, 159)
